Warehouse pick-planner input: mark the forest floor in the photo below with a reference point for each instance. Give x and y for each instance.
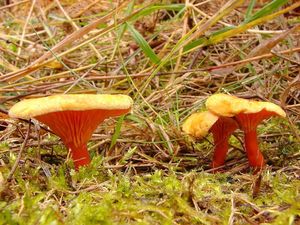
(169, 56)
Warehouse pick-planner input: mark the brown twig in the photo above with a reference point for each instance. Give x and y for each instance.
(13, 4)
(11, 173)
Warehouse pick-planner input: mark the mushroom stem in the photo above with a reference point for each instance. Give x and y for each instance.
(249, 123)
(256, 159)
(80, 156)
(220, 151)
(221, 131)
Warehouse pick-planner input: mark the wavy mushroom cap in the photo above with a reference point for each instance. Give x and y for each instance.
(29, 108)
(198, 124)
(227, 105)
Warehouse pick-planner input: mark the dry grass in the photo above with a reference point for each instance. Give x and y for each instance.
(49, 47)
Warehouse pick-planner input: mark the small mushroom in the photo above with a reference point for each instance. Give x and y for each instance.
(73, 117)
(199, 124)
(248, 114)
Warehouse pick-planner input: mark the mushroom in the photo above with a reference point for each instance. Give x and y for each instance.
(199, 124)
(73, 117)
(248, 114)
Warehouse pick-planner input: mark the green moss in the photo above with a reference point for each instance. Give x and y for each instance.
(158, 198)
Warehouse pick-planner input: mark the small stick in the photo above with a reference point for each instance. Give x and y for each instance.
(11, 173)
(257, 185)
(7, 5)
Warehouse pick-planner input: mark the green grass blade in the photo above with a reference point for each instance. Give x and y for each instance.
(147, 11)
(143, 44)
(199, 42)
(117, 131)
(244, 27)
(122, 28)
(227, 32)
(128, 155)
(266, 10)
(249, 9)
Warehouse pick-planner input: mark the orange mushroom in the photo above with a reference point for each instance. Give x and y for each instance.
(199, 124)
(248, 114)
(73, 117)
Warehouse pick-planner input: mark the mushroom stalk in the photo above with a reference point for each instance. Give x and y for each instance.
(222, 131)
(254, 155)
(80, 156)
(248, 123)
(220, 151)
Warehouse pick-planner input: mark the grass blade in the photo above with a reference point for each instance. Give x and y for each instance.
(249, 9)
(151, 9)
(123, 28)
(266, 10)
(143, 44)
(227, 32)
(117, 131)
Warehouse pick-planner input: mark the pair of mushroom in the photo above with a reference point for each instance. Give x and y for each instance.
(227, 113)
(73, 117)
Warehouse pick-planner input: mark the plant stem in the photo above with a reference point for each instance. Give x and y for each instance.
(11, 173)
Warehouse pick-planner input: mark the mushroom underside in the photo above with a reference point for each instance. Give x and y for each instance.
(75, 128)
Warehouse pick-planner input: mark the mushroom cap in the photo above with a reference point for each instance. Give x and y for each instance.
(198, 124)
(229, 106)
(29, 108)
